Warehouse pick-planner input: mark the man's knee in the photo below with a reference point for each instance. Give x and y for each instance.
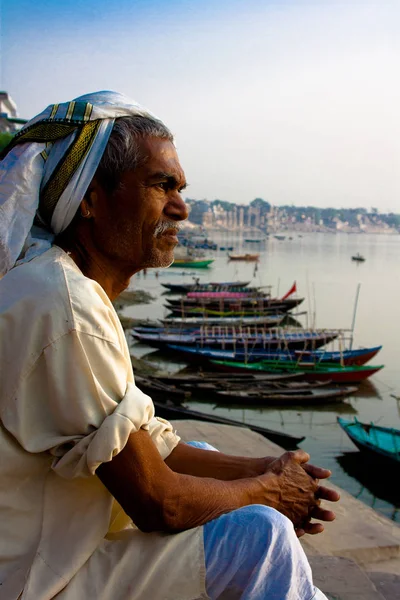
(264, 518)
(250, 528)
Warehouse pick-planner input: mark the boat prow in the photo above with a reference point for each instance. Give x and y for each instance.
(382, 443)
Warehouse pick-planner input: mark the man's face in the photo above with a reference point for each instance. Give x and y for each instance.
(139, 222)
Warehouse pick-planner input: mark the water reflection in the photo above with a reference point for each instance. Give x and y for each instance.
(367, 389)
(376, 478)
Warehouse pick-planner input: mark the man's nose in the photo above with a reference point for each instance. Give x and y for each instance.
(176, 208)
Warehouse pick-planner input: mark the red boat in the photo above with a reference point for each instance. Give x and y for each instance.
(310, 372)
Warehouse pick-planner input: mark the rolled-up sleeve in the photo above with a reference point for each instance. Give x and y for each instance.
(80, 404)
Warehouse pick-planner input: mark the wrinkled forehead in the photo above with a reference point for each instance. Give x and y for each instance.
(160, 156)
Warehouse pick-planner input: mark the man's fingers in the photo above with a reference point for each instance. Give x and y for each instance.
(313, 528)
(324, 493)
(322, 514)
(317, 472)
(300, 456)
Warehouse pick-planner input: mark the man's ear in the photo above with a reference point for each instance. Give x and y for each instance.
(89, 202)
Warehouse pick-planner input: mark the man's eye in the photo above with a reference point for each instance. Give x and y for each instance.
(164, 185)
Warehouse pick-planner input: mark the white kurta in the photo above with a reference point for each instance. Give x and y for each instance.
(68, 402)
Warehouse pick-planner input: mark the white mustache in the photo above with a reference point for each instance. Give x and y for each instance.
(163, 226)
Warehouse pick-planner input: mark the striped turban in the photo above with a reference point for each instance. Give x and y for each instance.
(47, 168)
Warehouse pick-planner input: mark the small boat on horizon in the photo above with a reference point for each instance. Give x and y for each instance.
(358, 257)
(247, 257)
(196, 263)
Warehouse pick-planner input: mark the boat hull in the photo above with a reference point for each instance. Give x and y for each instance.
(184, 288)
(245, 257)
(162, 340)
(381, 443)
(304, 397)
(192, 264)
(345, 358)
(334, 374)
(263, 321)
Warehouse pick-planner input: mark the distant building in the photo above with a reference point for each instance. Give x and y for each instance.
(9, 120)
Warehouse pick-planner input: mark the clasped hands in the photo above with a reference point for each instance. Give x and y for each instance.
(296, 491)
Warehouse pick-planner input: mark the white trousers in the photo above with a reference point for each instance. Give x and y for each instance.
(253, 553)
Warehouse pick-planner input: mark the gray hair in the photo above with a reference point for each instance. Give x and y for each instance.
(122, 152)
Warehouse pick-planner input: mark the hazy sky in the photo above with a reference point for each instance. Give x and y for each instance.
(294, 101)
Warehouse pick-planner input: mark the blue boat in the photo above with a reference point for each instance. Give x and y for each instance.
(382, 443)
(234, 339)
(243, 354)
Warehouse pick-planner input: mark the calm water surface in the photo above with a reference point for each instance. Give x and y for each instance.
(327, 277)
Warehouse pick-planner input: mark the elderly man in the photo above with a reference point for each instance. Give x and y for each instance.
(99, 498)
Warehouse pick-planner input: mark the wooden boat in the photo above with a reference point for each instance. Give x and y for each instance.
(160, 390)
(279, 237)
(247, 257)
(221, 301)
(225, 384)
(312, 372)
(236, 338)
(212, 378)
(222, 315)
(359, 356)
(284, 397)
(358, 257)
(229, 284)
(194, 297)
(171, 412)
(379, 442)
(189, 287)
(209, 389)
(197, 263)
(222, 291)
(264, 321)
(345, 358)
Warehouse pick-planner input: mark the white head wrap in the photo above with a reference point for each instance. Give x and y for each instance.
(49, 168)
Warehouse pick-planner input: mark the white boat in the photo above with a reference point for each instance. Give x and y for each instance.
(269, 320)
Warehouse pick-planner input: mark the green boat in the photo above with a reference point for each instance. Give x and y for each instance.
(311, 372)
(196, 263)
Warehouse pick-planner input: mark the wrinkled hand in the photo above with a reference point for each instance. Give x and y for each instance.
(317, 512)
(295, 491)
(289, 488)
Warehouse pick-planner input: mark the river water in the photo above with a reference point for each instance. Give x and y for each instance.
(328, 279)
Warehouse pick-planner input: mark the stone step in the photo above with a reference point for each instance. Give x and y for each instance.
(342, 579)
(358, 532)
(385, 575)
